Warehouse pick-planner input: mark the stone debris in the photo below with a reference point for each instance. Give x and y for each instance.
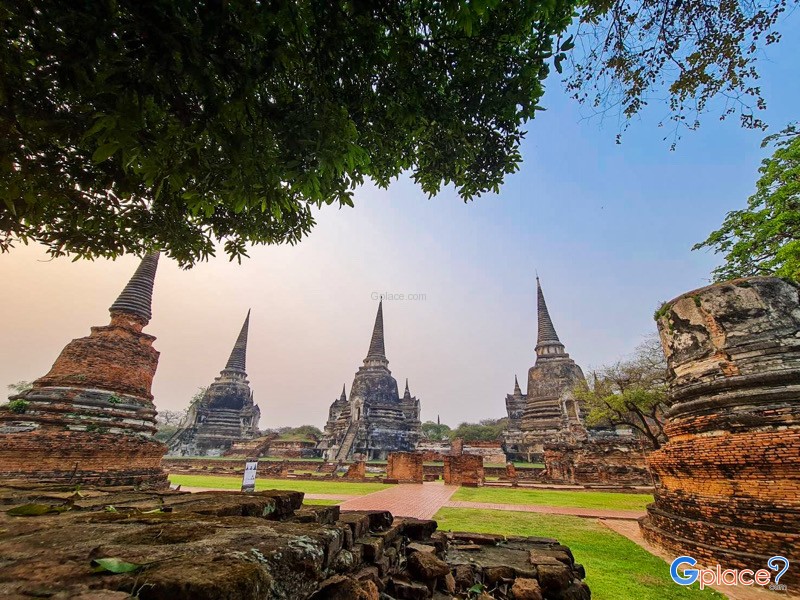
(265, 545)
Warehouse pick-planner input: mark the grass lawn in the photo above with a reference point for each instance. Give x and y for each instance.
(616, 568)
(611, 500)
(529, 465)
(322, 502)
(309, 487)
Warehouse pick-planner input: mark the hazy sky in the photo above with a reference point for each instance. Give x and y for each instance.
(608, 228)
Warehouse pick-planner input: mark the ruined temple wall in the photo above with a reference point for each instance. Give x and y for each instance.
(611, 462)
(728, 479)
(466, 469)
(405, 466)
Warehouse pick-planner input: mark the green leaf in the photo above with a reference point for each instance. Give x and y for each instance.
(114, 565)
(34, 510)
(105, 151)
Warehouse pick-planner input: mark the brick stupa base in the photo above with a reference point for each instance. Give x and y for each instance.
(91, 419)
(728, 480)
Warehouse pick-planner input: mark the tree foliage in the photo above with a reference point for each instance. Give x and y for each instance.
(764, 238)
(631, 392)
(630, 53)
(435, 432)
(486, 430)
(177, 124)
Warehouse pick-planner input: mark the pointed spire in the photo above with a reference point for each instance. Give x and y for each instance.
(407, 394)
(547, 342)
(137, 296)
(517, 391)
(376, 347)
(343, 397)
(238, 358)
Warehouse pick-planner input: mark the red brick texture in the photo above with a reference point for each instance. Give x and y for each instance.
(614, 461)
(405, 467)
(728, 480)
(466, 469)
(91, 418)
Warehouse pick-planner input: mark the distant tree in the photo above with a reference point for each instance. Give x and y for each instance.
(19, 387)
(168, 423)
(631, 53)
(630, 393)
(126, 125)
(170, 417)
(487, 430)
(308, 432)
(764, 238)
(435, 432)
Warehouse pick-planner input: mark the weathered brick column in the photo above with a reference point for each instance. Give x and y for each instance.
(405, 467)
(91, 419)
(728, 480)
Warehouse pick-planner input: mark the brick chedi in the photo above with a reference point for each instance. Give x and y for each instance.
(728, 479)
(376, 420)
(91, 419)
(225, 414)
(547, 413)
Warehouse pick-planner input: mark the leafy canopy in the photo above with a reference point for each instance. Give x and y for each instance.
(692, 55)
(435, 432)
(128, 125)
(764, 238)
(486, 430)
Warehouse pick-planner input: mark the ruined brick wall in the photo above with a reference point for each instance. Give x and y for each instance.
(357, 470)
(405, 466)
(606, 461)
(466, 469)
(728, 480)
(491, 452)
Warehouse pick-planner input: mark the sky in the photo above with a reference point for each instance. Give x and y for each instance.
(608, 227)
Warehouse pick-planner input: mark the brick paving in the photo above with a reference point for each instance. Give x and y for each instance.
(420, 500)
(589, 513)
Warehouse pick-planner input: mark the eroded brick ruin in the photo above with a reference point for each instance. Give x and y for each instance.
(405, 467)
(376, 420)
(613, 461)
(212, 545)
(225, 414)
(728, 479)
(92, 418)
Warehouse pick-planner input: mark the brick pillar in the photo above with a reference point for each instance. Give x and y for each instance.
(466, 469)
(728, 479)
(405, 467)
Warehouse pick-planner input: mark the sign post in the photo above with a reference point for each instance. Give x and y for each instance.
(249, 479)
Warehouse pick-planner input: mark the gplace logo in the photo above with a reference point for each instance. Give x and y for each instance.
(718, 576)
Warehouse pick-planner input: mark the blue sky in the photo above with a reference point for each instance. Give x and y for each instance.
(608, 228)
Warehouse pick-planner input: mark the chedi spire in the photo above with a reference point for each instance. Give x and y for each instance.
(238, 358)
(136, 298)
(547, 342)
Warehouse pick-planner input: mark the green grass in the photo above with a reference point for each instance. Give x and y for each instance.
(610, 500)
(322, 502)
(616, 568)
(300, 485)
(529, 465)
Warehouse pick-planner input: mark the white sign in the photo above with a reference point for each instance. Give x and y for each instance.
(249, 480)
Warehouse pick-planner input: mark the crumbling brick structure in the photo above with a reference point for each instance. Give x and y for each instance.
(215, 545)
(613, 461)
(405, 467)
(357, 470)
(466, 469)
(728, 479)
(92, 418)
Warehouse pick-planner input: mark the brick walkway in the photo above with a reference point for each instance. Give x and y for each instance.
(405, 500)
(589, 513)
